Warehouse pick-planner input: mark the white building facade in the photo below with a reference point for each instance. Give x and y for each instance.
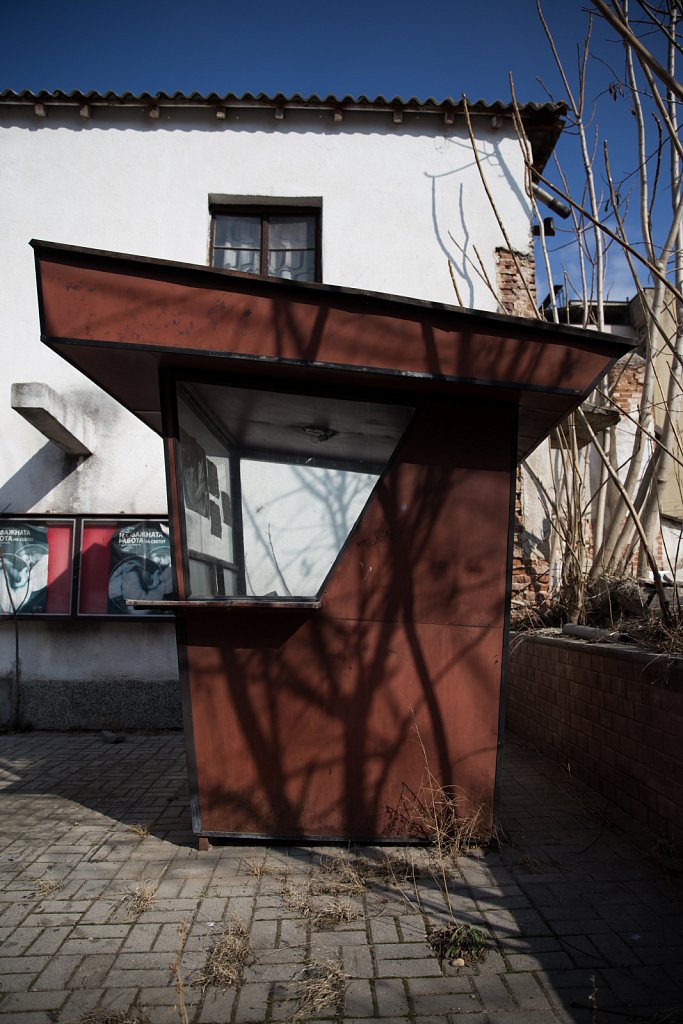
(391, 199)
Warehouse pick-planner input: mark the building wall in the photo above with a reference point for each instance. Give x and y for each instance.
(390, 197)
(671, 500)
(393, 199)
(67, 675)
(612, 716)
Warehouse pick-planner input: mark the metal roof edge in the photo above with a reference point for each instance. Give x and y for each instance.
(58, 97)
(482, 320)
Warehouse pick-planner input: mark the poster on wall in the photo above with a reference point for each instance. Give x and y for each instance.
(139, 567)
(23, 568)
(195, 475)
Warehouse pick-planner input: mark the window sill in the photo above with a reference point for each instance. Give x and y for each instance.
(233, 604)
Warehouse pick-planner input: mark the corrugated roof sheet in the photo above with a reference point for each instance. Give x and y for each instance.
(249, 99)
(542, 120)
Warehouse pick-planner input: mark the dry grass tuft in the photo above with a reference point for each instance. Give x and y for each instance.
(458, 942)
(140, 900)
(444, 818)
(297, 897)
(44, 887)
(652, 634)
(527, 862)
(256, 868)
(115, 1017)
(396, 869)
(353, 873)
(343, 875)
(177, 977)
(318, 986)
(319, 902)
(228, 955)
(440, 815)
(333, 911)
(138, 829)
(437, 814)
(669, 855)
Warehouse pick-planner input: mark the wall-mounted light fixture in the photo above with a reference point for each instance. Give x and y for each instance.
(318, 435)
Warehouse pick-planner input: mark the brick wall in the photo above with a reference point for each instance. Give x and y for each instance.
(530, 569)
(614, 715)
(513, 283)
(625, 382)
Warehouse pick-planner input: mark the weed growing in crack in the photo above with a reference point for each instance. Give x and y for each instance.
(256, 868)
(434, 813)
(141, 899)
(103, 1016)
(228, 955)
(395, 869)
(458, 942)
(139, 829)
(45, 887)
(333, 911)
(297, 897)
(440, 815)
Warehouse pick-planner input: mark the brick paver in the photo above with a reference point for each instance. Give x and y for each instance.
(570, 904)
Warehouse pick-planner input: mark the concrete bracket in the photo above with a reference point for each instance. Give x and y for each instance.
(69, 429)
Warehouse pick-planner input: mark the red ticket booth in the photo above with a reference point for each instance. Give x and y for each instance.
(341, 483)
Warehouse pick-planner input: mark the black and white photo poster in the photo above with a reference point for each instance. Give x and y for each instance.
(23, 568)
(140, 565)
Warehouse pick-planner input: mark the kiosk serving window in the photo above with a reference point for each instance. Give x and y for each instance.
(272, 484)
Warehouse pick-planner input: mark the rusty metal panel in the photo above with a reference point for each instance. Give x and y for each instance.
(433, 545)
(157, 315)
(242, 316)
(318, 735)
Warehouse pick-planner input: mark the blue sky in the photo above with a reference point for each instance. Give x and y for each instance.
(400, 48)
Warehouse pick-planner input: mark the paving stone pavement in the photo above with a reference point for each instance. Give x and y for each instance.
(573, 906)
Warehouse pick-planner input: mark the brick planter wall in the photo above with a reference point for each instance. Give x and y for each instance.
(614, 714)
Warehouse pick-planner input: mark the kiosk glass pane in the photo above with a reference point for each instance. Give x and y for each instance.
(273, 483)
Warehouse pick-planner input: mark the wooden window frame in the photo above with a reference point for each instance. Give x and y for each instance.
(264, 213)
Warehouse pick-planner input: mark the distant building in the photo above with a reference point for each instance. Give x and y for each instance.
(614, 423)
